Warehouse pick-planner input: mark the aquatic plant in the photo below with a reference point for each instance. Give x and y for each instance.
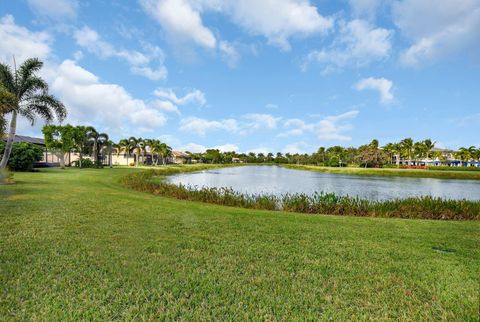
(318, 203)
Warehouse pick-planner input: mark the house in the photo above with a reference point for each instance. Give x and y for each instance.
(180, 157)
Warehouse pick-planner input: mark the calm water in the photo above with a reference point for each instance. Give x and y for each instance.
(277, 180)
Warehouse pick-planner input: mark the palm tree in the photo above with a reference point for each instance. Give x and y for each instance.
(136, 144)
(165, 152)
(31, 98)
(429, 145)
(407, 148)
(97, 140)
(125, 146)
(108, 148)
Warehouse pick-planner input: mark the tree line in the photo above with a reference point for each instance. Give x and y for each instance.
(369, 155)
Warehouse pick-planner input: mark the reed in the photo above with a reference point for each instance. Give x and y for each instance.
(318, 203)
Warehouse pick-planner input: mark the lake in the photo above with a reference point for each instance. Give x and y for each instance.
(277, 180)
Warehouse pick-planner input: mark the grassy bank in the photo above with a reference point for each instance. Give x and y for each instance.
(77, 245)
(418, 173)
(319, 203)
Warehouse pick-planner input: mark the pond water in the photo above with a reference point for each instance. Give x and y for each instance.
(277, 180)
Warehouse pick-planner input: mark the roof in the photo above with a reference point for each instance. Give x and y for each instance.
(179, 154)
(28, 139)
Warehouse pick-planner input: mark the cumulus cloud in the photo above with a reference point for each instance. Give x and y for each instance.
(108, 106)
(437, 31)
(382, 85)
(55, 9)
(199, 148)
(21, 42)
(229, 147)
(91, 41)
(330, 128)
(182, 19)
(201, 126)
(296, 148)
(357, 44)
(261, 121)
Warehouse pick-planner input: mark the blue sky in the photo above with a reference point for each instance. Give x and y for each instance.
(247, 75)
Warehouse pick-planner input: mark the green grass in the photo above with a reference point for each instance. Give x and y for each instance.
(76, 245)
(418, 173)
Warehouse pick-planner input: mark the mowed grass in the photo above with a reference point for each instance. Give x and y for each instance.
(442, 173)
(76, 245)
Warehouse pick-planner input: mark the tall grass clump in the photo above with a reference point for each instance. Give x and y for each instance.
(318, 203)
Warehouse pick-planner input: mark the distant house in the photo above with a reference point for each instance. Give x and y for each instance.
(180, 157)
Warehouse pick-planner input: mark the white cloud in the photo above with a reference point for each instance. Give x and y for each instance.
(194, 96)
(258, 150)
(54, 8)
(437, 31)
(358, 44)
(202, 126)
(296, 148)
(278, 20)
(230, 53)
(227, 147)
(180, 21)
(90, 40)
(330, 128)
(382, 85)
(192, 147)
(261, 121)
(19, 41)
(108, 106)
(166, 106)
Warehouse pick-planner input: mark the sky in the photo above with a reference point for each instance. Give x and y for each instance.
(256, 76)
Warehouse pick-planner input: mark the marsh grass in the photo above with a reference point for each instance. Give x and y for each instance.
(425, 207)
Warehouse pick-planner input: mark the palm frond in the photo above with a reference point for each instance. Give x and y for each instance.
(27, 69)
(7, 79)
(31, 86)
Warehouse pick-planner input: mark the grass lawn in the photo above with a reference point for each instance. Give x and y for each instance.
(75, 244)
(456, 173)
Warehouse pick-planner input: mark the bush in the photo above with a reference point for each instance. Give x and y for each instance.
(86, 163)
(23, 156)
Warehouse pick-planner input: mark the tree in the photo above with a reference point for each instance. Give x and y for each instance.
(7, 103)
(80, 141)
(31, 98)
(60, 140)
(136, 145)
(97, 141)
(429, 145)
(407, 148)
(126, 147)
(23, 157)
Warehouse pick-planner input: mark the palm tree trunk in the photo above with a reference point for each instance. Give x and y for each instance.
(11, 136)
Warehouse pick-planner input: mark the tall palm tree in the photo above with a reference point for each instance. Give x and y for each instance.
(126, 147)
(136, 145)
(429, 145)
(407, 148)
(31, 98)
(165, 152)
(97, 140)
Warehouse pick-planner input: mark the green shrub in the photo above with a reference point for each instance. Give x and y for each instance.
(86, 163)
(23, 156)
